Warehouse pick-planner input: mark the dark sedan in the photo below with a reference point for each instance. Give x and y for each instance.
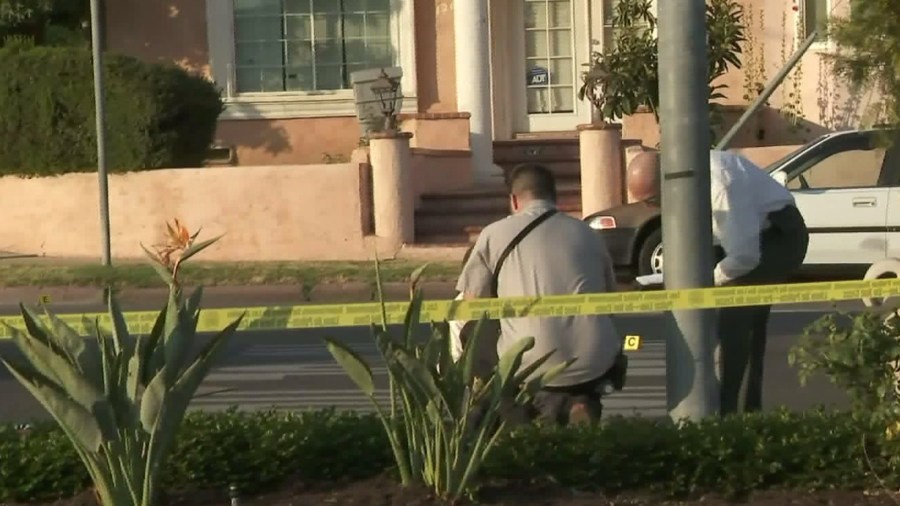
(852, 166)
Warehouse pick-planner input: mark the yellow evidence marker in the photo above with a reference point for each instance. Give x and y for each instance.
(632, 343)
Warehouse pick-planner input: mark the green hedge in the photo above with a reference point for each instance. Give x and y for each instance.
(158, 115)
(259, 451)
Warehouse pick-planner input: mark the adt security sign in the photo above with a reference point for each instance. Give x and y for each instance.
(538, 76)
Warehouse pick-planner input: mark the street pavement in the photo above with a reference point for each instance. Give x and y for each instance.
(291, 369)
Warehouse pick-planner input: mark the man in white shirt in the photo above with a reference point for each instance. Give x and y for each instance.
(764, 238)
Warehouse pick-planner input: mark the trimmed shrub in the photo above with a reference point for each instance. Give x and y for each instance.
(259, 451)
(158, 116)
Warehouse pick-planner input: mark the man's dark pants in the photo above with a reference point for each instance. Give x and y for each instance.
(555, 404)
(742, 330)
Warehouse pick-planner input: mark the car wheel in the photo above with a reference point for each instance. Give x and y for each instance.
(650, 256)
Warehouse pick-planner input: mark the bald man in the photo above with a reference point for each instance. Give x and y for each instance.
(764, 237)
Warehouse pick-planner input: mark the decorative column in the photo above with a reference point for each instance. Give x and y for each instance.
(602, 175)
(473, 82)
(392, 187)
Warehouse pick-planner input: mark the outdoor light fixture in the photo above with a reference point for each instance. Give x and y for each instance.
(388, 91)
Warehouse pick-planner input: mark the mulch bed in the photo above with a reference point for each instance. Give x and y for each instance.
(383, 491)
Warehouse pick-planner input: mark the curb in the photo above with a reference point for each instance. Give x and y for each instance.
(223, 296)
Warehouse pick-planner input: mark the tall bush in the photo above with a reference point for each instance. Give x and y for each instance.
(158, 116)
(859, 354)
(624, 77)
(443, 420)
(869, 44)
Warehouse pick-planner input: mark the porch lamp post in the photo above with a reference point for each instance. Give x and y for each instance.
(388, 91)
(100, 117)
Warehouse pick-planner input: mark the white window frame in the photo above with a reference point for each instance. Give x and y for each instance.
(603, 29)
(825, 43)
(310, 104)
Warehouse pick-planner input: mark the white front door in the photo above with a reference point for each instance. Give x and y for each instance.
(551, 42)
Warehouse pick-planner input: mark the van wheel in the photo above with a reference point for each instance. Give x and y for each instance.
(650, 256)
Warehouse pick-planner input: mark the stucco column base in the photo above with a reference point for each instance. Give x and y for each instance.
(602, 175)
(392, 188)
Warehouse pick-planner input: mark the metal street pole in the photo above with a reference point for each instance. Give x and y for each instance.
(99, 102)
(691, 385)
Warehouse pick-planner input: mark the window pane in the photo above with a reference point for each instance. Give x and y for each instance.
(378, 5)
(296, 6)
(299, 53)
(248, 80)
(378, 25)
(847, 169)
(609, 11)
(327, 26)
(259, 53)
(273, 79)
(256, 28)
(535, 43)
(561, 43)
(257, 7)
(329, 53)
(563, 99)
(358, 6)
(815, 16)
(354, 26)
(561, 71)
(561, 14)
(379, 52)
(535, 15)
(299, 78)
(329, 77)
(538, 100)
(356, 52)
(298, 28)
(326, 6)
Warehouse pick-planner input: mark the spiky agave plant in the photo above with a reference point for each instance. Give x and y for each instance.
(435, 435)
(121, 399)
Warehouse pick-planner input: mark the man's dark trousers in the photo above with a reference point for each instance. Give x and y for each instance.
(742, 330)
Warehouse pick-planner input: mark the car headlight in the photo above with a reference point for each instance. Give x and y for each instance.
(602, 222)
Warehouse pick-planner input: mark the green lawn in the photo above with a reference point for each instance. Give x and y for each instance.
(141, 275)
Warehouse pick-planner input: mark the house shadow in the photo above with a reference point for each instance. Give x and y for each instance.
(768, 126)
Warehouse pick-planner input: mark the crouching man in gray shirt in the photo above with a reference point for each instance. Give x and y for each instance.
(562, 255)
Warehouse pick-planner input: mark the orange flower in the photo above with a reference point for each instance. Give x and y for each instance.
(177, 241)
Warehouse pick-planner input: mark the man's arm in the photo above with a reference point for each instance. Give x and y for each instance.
(737, 226)
(476, 276)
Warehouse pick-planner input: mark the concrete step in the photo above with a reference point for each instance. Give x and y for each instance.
(487, 203)
(454, 227)
(560, 154)
(569, 134)
(536, 150)
(564, 171)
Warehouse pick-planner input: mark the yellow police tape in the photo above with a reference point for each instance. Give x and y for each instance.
(350, 315)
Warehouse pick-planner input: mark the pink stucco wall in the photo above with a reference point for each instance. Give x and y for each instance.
(813, 91)
(267, 213)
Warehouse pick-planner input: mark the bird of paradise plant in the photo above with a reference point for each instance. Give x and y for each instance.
(121, 401)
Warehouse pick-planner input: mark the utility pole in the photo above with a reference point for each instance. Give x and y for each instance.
(99, 105)
(691, 385)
